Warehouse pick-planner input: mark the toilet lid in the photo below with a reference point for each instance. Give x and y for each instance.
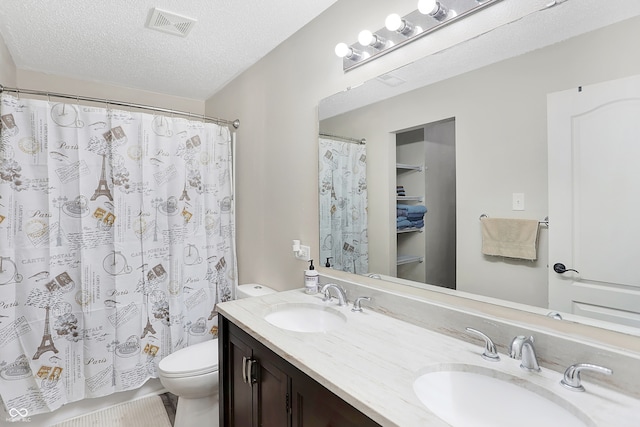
(193, 360)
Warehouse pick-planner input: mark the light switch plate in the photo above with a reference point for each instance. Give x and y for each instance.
(518, 202)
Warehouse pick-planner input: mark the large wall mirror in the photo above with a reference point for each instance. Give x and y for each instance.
(466, 131)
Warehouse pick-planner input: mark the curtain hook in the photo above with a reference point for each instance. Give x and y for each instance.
(48, 97)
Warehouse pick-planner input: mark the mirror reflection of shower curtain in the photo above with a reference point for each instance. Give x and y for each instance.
(343, 205)
(117, 239)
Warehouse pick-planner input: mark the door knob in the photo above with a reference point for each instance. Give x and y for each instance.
(560, 268)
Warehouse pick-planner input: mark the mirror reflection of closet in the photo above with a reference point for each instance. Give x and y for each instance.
(426, 175)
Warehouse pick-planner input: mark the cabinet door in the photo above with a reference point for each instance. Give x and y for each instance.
(273, 393)
(256, 388)
(240, 392)
(315, 406)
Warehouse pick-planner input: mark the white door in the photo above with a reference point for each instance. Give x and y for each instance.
(594, 200)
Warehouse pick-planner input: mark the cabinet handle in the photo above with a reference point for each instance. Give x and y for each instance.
(247, 371)
(244, 369)
(250, 378)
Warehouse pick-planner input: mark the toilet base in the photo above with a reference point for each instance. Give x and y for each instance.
(198, 412)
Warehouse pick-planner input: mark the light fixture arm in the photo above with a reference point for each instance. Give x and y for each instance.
(398, 31)
(439, 13)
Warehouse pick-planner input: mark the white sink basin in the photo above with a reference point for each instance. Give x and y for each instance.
(491, 398)
(305, 318)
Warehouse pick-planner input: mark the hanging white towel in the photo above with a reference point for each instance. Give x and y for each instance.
(512, 238)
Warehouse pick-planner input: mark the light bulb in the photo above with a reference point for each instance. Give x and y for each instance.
(342, 50)
(365, 38)
(345, 51)
(427, 7)
(393, 22)
(433, 8)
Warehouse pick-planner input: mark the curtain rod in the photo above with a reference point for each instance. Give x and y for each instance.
(361, 141)
(234, 123)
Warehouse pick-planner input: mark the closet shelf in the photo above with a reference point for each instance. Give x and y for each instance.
(410, 230)
(408, 259)
(404, 166)
(409, 198)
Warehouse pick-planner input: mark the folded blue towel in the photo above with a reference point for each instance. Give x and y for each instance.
(404, 224)
(401, 218)
(417, 224)
(415, 217)
(413, 209)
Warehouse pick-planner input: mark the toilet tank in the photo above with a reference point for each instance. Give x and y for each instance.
(253, 290)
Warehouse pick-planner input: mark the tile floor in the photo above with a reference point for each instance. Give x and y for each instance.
(170, 403)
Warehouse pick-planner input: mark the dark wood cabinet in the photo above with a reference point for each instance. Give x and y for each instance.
(260, 389)
(315, 406)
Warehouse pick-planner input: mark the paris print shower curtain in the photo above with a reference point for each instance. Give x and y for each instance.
(343, 205)
(116, 243)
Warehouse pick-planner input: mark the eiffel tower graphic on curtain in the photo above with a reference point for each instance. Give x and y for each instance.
(103, 188)
(47, 341)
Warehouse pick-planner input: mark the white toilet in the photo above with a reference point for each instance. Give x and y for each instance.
(191, 374)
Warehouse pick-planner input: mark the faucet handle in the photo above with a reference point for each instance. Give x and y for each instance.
(572, 379)
(490, 353)
(357, 302)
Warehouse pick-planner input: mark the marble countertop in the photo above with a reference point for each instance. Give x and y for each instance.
(373, 360)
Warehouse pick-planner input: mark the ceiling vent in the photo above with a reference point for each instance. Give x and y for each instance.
(169, 22)
(390, 80)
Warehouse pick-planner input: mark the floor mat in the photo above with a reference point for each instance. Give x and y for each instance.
(148, 411)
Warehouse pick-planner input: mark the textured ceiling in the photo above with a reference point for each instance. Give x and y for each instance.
(107, 40)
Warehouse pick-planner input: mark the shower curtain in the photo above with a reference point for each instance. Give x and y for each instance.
(343, 205)
(117, 240)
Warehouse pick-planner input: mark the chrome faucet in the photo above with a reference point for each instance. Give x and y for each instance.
(340, 293)
(572, 380)
(522, 348)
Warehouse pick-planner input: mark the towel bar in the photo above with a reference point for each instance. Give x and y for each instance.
(544, 222)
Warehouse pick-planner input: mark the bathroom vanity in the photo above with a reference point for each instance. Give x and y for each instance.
(260, 388)
(364, 368)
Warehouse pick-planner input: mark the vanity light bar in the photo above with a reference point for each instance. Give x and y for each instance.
(399, 31)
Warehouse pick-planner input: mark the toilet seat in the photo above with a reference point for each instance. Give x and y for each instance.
(197, 359)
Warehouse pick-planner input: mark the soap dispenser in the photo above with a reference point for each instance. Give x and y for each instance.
(311, 280)
(328, 264)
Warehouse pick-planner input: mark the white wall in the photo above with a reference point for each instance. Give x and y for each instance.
(440, 221)
(7, 66)
(277, 99)
(67, 85)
